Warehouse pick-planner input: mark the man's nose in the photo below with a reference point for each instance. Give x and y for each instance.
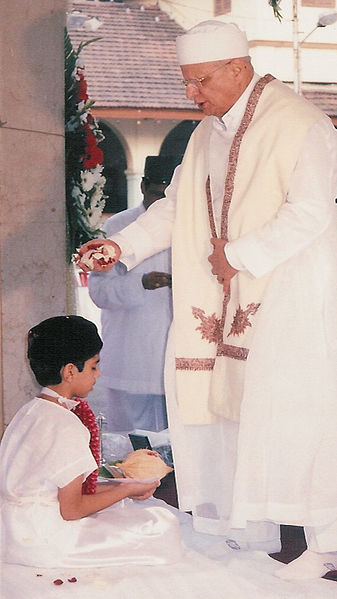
(191, 91)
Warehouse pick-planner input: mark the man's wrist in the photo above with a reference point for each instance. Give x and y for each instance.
(232, 257)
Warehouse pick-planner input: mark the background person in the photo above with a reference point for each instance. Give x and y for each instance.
(254, 195)
(136, 315)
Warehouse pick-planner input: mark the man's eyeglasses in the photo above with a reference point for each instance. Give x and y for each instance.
(199, 81)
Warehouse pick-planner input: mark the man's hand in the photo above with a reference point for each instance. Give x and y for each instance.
(220, 265)
(155, 280)
(98, 264)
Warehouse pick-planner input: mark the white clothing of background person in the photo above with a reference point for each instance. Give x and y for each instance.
(135, 324)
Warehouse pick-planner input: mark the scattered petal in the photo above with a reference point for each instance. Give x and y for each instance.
(73, 579)
(58, 581)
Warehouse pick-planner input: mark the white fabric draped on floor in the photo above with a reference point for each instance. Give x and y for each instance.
(208, 570)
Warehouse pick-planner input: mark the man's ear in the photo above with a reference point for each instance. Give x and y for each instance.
(239, 66)
(236, 65)
(68, 371)
(142, 187)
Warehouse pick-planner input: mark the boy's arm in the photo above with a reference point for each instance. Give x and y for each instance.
(74, 505)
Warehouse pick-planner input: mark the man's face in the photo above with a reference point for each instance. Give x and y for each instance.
(220, 89)
(152, 192)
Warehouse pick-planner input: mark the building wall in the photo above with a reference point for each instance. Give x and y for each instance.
(188, 12)
(33, 270)
(140, 138)
(270, 40)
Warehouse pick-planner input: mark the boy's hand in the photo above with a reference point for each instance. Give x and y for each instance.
(140, 491)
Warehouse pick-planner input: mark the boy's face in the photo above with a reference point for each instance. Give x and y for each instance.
(83, 382)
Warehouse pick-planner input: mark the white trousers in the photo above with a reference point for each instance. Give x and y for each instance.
(204, 461)
(126, 412)
(322, 539)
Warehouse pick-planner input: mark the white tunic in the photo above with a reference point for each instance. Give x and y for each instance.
(306, 220)
(46, 447)
(135, 321)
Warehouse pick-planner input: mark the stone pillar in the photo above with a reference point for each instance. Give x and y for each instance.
(33, 268)
(135, 196)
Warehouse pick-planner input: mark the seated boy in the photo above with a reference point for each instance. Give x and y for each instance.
(46, 519)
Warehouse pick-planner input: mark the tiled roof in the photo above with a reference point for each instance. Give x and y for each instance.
(134, 65)
(324, 96)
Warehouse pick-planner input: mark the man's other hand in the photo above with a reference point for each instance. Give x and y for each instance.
(221, 268)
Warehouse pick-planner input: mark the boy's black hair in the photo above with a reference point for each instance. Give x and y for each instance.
(58, 341)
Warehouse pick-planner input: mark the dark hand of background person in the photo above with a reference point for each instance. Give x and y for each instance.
(155, 280)
(221, 268)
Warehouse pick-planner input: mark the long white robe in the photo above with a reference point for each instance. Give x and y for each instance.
(308, 213)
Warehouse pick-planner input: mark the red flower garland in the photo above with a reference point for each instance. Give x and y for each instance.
(86, 415)
(93, 154)
(82, 87)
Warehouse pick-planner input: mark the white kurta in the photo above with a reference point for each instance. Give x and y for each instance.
(135, 324)
(45, 447)
(299, 230)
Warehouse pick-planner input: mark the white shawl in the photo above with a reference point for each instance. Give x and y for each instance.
(213, 333)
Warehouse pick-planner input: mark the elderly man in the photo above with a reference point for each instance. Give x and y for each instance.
(252, 406)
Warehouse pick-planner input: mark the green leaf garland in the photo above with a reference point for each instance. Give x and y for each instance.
(275, 4)
(83, 158)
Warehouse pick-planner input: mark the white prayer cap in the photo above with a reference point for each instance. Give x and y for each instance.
(211, 40)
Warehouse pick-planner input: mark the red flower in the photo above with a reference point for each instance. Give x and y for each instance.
(82, 88)
(92, 157)
(90, 141)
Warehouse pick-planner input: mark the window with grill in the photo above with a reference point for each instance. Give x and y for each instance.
(222, 6)
(319, 3)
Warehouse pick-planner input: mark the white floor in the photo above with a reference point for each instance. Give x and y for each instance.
(210, 570)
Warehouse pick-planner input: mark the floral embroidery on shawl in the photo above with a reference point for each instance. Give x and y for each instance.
(210, 326)
(241, 319)
(86, 415)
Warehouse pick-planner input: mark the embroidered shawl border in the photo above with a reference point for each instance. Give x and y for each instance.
(224, 349)
(231, 351)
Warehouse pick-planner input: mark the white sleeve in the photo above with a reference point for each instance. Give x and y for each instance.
(306, 213)
(117, 288)
(70, 455)
(151, 232)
